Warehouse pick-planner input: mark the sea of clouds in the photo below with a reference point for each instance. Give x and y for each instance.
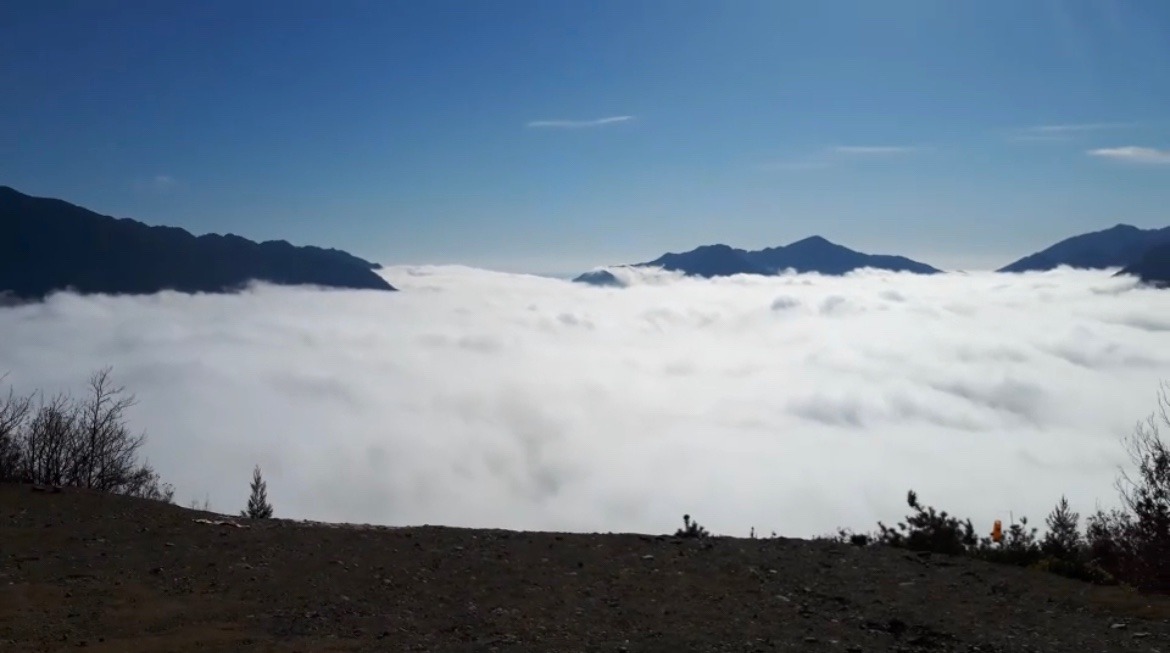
(794, 404)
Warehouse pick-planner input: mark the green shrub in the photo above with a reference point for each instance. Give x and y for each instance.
(691, 529)
(1087, 571)
(928, 530)
(1019, 546)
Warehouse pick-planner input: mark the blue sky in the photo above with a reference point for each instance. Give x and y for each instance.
(555, 136)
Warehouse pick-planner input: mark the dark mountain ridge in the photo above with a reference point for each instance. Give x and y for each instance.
(48, 245)
(1117, 247)
(812, 254)
(1153, 267)
(708, 261)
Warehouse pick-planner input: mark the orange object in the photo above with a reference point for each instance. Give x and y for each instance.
(997, 531)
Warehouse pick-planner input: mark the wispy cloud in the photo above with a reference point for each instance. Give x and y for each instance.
(872, 150)
(839, 153)
(579, 124)
(1065, 131)
(1133, 154)
(158, 183)
(1079, 127)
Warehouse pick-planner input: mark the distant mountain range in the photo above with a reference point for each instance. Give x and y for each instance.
(1144, 253)
(48, 245)
(1118, 247)
(813, 254)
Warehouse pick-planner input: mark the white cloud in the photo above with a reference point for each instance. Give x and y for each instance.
(1133, 154)
(578, 124)
(796, 404)
(873, 149)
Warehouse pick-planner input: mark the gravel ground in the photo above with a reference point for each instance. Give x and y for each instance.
(83, 570)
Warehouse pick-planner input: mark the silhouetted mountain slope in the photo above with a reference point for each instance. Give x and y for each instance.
(599, 278)
(814, 254)
(708, 261)
(48, 244)
(1153, 267)
(1118, 246)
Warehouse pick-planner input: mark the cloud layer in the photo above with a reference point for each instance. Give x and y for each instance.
(579, 124)
(796, 404)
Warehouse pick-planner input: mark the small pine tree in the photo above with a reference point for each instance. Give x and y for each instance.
(258, 506)
(1063, 540)
(691, 529)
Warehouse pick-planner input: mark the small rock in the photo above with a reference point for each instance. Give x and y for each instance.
(648, 556)
(1119, 626)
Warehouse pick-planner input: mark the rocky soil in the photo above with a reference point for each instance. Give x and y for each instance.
(80, 570)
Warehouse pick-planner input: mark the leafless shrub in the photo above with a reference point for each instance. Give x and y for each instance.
(79, 443)
(1136, 540)
(14, 411)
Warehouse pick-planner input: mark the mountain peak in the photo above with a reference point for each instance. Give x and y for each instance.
(1121, 226)
(813, 240)
(812, 254)
(813, 243)
(717, 248)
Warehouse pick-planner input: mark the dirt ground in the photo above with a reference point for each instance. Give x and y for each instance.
(104, 573)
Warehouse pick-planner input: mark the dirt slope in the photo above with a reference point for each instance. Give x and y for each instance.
(80, 570)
